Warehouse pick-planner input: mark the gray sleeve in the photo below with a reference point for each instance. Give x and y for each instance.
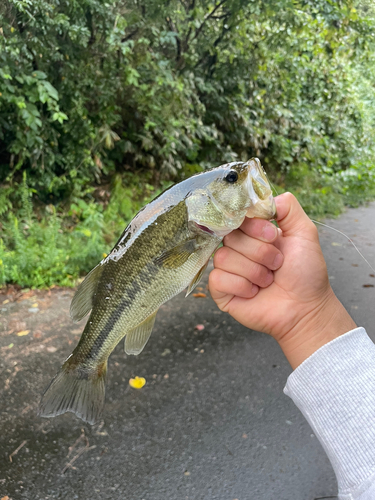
(335, 390)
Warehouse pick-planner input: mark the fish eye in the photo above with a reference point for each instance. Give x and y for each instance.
(232, 176)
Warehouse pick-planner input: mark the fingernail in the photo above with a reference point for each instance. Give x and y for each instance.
(278, 261)
(254, 289)
(269, 232)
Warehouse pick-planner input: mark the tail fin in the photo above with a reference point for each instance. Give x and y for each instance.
(69, 390)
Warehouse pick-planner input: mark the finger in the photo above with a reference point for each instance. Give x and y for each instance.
(257, 251)
(222, 283)
(233, 262)
(291, 217)
(278, 242)
(260, 229)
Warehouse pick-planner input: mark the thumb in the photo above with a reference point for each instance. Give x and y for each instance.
(291, 217)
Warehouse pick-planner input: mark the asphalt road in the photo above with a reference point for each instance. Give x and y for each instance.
(212, 421)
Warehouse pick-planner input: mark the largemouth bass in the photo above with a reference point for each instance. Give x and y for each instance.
(164, 249)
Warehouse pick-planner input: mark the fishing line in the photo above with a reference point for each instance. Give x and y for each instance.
(333, 229)
(271, 184)
(347, 237)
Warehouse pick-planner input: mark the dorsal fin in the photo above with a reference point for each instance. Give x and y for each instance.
(82, 300)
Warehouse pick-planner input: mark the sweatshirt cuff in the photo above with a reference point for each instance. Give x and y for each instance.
(335, 390)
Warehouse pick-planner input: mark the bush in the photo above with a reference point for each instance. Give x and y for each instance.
(44, 248)
(102, 101)
(88, 88)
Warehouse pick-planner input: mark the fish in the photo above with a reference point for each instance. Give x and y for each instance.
(164, 249)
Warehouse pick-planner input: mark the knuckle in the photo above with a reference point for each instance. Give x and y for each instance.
(260, 253)
(231, 238)
(314, 231)
(241, 285)
(216, 280)
(290, 197)
(221, 256)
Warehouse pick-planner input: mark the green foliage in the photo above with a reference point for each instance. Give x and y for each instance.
(326, 193)
(113, 97)
(41, 252)
(88, 87)
(55, 249)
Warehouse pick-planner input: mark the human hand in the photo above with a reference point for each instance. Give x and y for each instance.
(276, 281)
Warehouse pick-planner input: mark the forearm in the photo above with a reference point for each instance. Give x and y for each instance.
(335, 390)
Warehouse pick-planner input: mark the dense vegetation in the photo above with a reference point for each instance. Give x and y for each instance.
(102, 103)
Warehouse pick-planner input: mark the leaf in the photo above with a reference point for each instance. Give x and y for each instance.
(23, 333)
(368, 286)
(59, 116)
(52, 92)
(40, 75)
(137, 382)
(86, 232)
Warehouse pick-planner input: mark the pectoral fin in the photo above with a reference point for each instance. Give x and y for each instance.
(196, 279)
(82, 300)
(137, 338)
(177, 256)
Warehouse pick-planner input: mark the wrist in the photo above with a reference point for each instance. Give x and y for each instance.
(327, 321)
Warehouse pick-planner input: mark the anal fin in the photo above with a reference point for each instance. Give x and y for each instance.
(137, 338)
(196, 279)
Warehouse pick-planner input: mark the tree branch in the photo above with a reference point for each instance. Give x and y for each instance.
(128, 37)
(208, 16)
(173, 28)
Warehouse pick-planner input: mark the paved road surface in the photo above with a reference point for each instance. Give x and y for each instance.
(212, 422)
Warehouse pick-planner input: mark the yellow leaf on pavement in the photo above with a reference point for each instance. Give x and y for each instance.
(137, 382)
(23, 333)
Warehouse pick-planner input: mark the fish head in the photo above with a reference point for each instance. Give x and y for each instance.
(235, 191)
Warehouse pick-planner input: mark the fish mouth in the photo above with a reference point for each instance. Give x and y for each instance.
(263, 209)
(262, 203)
